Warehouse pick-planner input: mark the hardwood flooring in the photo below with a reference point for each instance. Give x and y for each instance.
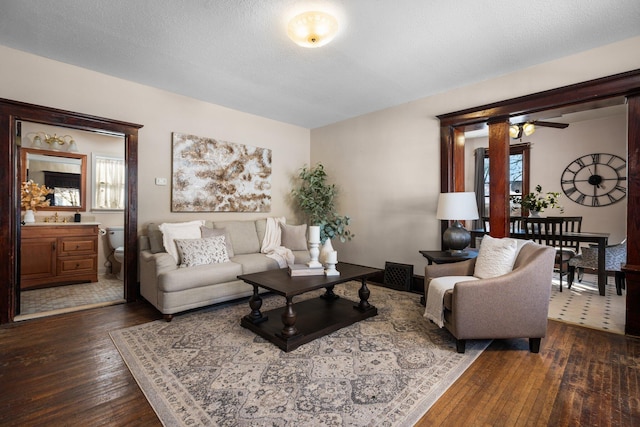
(65, 370)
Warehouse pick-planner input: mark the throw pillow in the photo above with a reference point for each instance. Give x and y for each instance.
(495, 257)
(179, 230)
(211, 232)
(294, 237)
(244, 237)
(210, 250)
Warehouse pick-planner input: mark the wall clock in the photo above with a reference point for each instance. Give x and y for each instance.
(597, 179)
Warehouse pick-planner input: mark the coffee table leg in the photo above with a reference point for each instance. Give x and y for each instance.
(364, 297)
(255, 302)
(289, 320)
(328, 294)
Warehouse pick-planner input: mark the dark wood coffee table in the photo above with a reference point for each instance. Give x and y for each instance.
(318, 316)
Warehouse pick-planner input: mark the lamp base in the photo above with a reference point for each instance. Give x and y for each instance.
(456, 239)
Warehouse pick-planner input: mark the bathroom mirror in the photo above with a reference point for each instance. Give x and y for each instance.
(65, 173)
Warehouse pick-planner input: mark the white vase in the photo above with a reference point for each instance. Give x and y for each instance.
(29, 217)
(326, 249)
(534, 214)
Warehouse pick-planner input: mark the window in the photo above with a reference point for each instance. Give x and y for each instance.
(108, 182)
(518, 174)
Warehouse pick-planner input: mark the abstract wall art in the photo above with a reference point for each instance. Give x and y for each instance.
(210, 175)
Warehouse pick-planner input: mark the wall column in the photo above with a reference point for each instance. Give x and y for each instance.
(499, 177)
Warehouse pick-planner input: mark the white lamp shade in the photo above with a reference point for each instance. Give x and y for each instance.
(457, 206)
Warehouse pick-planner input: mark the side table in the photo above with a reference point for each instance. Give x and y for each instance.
(444, 257)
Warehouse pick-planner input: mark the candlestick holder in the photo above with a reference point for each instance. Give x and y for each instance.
(331, 269)
(314, 251)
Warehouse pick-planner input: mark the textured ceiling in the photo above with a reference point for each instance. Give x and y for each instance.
(236, 53)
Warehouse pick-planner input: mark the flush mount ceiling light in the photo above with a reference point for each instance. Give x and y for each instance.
(312, 29)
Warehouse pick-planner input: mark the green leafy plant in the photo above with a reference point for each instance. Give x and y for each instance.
(315, 197)
(538, 201)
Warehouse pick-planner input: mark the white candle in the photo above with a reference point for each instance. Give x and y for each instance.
(332, 257)
(314, 234)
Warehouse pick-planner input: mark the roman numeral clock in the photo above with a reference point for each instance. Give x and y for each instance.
(597, 179)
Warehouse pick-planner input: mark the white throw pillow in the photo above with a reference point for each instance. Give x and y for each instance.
(179, 230)
(495, 257)
(210, 250)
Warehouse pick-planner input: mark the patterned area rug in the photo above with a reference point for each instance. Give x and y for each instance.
(583, 305)
(203, 368)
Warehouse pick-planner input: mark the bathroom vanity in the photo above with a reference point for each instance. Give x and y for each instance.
(54, 254)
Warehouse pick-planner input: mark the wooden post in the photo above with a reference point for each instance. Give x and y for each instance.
(499, 177)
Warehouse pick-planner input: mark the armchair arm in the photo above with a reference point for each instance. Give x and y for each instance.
(521, 298)
(462, 268)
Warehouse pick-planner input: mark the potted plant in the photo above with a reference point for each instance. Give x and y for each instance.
(315, 198)
(537, 202)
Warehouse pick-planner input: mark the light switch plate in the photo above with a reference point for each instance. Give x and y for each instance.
(161, 181)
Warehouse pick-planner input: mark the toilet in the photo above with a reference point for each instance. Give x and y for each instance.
(115, 236)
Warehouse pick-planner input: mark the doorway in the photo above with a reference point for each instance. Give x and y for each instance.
(574, 98)
(12, 112)
(83, 192)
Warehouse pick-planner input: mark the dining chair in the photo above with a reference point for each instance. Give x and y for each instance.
(615, 258)
(571, 224)
(549, 231)
(515, 223)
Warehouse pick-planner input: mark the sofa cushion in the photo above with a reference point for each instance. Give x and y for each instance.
(495, 257)
(294, 237)
(261, 228)
(182, 279)
(155, 238)
(179, 230)
(255, 263)
(210, 250)
(211, 232)
(244, 237)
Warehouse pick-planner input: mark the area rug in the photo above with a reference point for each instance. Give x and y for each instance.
(583, 305)
(203, 368)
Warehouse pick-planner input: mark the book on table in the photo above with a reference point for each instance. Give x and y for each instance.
(305, 270)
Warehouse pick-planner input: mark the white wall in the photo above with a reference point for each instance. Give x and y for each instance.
(29, 78)
(387, 163)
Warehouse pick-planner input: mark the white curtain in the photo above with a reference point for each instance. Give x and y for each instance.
(110, 183)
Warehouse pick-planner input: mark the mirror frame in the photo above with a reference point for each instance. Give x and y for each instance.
(83, 177)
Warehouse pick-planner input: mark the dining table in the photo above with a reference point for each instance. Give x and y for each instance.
(600, 239)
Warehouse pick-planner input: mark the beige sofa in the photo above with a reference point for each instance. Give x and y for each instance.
(513, 305)
(172, 289)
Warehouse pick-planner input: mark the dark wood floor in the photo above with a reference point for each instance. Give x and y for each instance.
(65, 370)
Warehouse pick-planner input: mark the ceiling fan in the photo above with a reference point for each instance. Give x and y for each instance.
(516, 131)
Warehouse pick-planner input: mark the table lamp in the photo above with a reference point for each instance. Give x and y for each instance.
(457, 206)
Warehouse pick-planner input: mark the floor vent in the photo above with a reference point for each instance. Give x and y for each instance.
(398, 276)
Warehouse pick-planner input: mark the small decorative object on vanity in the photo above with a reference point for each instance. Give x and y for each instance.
(33, 196)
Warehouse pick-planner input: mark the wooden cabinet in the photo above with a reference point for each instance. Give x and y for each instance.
(53, 255)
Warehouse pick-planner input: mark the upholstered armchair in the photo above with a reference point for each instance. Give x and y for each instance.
(511, 305)
(614, 257)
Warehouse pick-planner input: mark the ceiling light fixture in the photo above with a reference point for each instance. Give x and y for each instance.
(312, 29)
(516, 131)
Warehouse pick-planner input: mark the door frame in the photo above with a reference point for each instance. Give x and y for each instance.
(10, 113)
(577, 97)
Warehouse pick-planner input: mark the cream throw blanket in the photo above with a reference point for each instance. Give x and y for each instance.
(272, 243)
(434, 309)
